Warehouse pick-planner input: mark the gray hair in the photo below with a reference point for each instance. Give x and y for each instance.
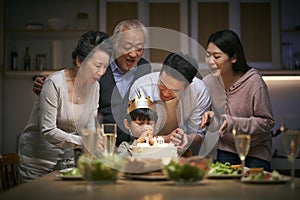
(126, 25)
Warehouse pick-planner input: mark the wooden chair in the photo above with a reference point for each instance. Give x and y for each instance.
(9, 171)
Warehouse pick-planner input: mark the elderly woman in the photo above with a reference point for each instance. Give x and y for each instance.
(68, 96)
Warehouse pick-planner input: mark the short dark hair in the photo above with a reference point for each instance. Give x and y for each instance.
(181, 66)
(143, 114)
(229, 42)
(87, 42)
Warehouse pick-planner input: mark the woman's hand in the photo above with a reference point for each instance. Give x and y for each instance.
(206, 118)
(99, 148)
(224, 128)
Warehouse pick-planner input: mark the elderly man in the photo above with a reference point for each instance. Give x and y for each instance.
(127, 66)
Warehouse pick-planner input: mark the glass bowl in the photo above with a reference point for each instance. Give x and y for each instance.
(187, 171)
(101, 170)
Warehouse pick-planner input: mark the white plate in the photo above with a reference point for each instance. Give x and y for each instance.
(34, 26)
(68, 177)
(283, 180)
(224, 176)
(63, 177)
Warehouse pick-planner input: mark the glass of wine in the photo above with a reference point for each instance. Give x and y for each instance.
(109, 137)
(242, 145)
(291, 143)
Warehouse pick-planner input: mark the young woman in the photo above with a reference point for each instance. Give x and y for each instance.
(240, 99)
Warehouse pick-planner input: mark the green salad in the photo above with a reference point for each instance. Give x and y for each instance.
(226, 168)
(268, 176)
(187, 170)
(105, 168)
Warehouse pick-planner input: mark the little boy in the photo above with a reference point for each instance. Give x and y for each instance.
(140, 121)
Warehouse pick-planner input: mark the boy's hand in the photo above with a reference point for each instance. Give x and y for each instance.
(148, 132)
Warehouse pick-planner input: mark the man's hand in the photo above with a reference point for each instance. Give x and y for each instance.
(179, 139)
(38, 84)
(184, 145)
(176, 137)
(206, 118)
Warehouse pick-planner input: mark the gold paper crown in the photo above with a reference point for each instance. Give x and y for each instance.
(140, 102)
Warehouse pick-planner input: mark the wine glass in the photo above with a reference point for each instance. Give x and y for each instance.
(291, 140)
(109, 133)
(91, 135)
(242, 145)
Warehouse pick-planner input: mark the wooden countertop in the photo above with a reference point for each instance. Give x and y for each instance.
(51, 187)
(285, 72)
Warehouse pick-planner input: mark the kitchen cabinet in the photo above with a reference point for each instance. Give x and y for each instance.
(56, 44)
(253, 20)
(175, 19)
(290, 34)
(27, 25)
(256, 22)
(153, 14)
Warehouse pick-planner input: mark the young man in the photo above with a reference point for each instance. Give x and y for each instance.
(180, 98)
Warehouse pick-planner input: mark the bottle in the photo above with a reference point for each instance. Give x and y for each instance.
(287, 55)
(14, 60)
(14, 57)
(297, 60)
(27, 59)
(40, 61)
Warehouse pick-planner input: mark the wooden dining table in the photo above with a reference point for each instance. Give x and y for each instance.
(53, 187)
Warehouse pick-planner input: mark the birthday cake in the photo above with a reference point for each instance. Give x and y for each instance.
(154, 148)
(149, 146)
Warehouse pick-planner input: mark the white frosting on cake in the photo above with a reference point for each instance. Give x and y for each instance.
(158, 150)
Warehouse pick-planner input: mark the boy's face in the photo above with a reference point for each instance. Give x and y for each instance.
(137, 127)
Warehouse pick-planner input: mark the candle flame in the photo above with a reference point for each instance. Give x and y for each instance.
(234, 131)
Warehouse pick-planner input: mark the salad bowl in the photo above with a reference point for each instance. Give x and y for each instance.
(187, 171)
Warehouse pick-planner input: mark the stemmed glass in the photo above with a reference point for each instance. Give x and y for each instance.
(91, 135)
(291, 143)
(242, 145)
(109, 133)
